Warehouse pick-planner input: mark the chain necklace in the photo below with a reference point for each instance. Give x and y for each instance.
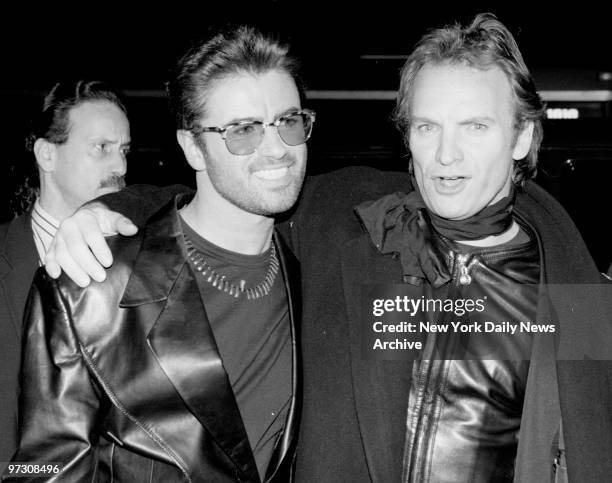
(210, 275)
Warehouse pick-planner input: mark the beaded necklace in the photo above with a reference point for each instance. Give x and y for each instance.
(210, 275)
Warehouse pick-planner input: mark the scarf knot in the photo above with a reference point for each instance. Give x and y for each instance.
(400, 224)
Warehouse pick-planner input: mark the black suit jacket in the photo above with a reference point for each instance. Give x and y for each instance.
(18, 262)
(353, 425)
(124, 377)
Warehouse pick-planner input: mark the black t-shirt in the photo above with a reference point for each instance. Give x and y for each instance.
(254, 341)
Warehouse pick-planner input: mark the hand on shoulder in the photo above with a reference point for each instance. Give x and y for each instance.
(79, 247)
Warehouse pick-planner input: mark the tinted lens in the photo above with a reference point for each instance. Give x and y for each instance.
(295, 129)
(244, 138)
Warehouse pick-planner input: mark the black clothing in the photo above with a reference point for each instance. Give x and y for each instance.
(466, 393)
(254, 341)
(123, 379)
(353, 424)
(18, 263)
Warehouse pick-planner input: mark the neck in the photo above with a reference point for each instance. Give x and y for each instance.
(53, 203)
(228, 226)
(494, 240)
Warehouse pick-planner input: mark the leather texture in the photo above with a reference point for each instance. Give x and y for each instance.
(354, 413)
(466, 396)
(123, 380)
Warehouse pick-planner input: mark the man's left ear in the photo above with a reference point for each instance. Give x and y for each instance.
(523, 141)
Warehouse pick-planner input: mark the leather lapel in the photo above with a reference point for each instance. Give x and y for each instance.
(18, 263)
(380, 387)
(283, 452)
(183, 343)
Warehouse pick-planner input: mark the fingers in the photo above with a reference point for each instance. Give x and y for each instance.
(79, 247)
(52, 266)
(125, 227)
(91, 251)
(60, 257)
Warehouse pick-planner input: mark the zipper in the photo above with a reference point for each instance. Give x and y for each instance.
(429, 376)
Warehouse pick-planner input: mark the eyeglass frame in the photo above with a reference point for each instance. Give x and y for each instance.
(223, 130)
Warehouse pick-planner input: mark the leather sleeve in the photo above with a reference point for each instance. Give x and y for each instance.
(138, 202)
(59, 404)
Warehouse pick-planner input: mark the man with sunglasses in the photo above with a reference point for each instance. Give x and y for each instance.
(182, 365)
(471, 116)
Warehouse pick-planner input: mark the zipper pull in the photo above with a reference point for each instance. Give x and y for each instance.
(464, 275)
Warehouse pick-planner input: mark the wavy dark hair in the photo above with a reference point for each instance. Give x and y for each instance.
(237, 50)
(484, 44)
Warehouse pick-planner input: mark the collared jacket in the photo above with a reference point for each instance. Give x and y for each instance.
(122, 380)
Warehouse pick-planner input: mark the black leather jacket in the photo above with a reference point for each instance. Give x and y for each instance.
(122, 381)
(465, 408)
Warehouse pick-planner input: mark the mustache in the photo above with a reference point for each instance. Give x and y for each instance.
(113, 181)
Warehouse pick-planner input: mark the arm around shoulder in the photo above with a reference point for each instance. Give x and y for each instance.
(138, 202)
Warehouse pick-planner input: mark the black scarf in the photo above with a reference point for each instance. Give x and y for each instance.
(401, 224)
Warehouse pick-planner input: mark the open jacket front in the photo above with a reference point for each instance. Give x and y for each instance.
(123, 380)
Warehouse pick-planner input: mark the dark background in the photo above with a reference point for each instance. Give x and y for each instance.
(340, 44)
